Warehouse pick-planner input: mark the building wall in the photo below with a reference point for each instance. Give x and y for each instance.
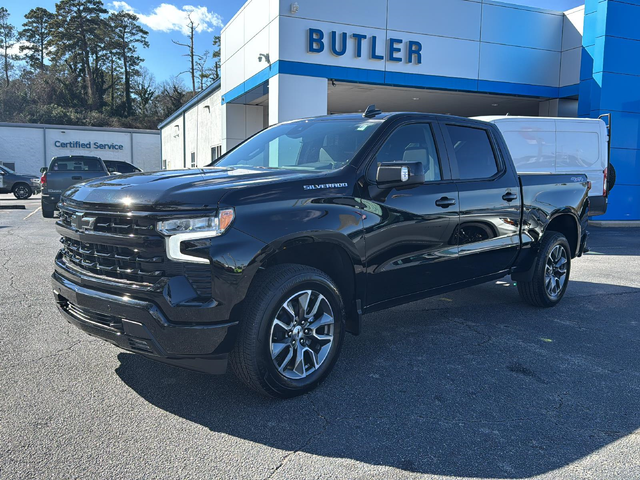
(173, 144)
(466, 44)
(24, 147)
(31, 147)
(610, 84)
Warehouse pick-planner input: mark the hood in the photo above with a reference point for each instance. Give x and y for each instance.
(191, 189)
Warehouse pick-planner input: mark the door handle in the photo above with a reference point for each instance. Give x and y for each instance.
(509, 197)
(445, 202)
(76, 178)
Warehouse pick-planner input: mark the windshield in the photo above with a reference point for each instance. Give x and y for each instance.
(6, 169)
(327, 144)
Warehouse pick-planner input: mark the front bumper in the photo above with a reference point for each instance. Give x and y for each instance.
(139, 326)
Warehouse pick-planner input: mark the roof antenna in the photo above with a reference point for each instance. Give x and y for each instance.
(371, 112)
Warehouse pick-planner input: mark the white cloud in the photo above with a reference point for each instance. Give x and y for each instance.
(15, 48)
(169, 18)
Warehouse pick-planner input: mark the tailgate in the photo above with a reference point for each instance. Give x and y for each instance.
(68, 171)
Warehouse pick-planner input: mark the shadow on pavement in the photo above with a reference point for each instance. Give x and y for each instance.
(464, 389)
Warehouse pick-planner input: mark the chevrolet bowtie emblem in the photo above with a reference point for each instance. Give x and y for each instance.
(82, 223)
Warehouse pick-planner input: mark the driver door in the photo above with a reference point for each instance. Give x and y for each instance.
(410, 237)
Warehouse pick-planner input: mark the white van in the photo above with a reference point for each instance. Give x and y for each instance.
(561, 145)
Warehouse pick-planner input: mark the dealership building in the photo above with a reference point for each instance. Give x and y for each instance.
(26, 148)
(283, 59)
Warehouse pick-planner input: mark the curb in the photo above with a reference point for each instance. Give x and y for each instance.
(615, 224)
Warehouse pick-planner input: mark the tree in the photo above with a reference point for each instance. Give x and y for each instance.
(144, 90)
(191, 53)
(77, 37)
(216, 57)
(172, 95)
(125, 35)
(203, 72)
(7, 41)
(35, 31)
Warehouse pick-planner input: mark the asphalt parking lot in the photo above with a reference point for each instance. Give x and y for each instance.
(473, 384)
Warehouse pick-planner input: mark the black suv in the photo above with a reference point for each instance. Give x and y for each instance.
(267, 258)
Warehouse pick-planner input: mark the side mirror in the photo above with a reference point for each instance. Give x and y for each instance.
(400, 174)
(43, 169)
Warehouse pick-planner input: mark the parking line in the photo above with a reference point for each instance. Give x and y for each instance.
(39, 208)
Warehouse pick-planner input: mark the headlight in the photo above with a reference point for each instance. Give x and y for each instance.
(35, 180)
(185, 229)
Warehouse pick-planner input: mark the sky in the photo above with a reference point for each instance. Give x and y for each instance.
(166, 20)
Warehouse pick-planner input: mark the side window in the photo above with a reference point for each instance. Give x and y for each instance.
(124, 167)
(412, 143)
(474, 155)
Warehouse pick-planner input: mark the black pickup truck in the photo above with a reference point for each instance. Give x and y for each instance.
(270, 255)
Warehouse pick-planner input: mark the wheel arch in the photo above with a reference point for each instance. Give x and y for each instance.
(332, 257)
(19, 183)
(567, 224)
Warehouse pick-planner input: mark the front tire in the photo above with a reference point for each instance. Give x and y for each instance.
(291, 331)
(550, 273)
(22, 191)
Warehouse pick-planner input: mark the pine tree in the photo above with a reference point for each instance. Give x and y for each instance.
(125, 35)
(35, 31)
(77, 37)
(7, 40)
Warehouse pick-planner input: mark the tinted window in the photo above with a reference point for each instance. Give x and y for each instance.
(326, 144)
(76, 165)
(412, 143)
(121, 167)
(474, 155)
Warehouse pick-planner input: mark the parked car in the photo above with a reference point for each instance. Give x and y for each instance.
(562, 145)
(267, 258)
(63, 172)
(117, 166)
(22, 186)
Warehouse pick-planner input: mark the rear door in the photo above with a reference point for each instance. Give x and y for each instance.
(581, 148)
(67, 171)
(409, 232)
(488, 234)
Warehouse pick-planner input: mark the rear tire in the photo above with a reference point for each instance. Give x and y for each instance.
(22, 191)
(611, 177)
(551, 271)
(291, 331)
